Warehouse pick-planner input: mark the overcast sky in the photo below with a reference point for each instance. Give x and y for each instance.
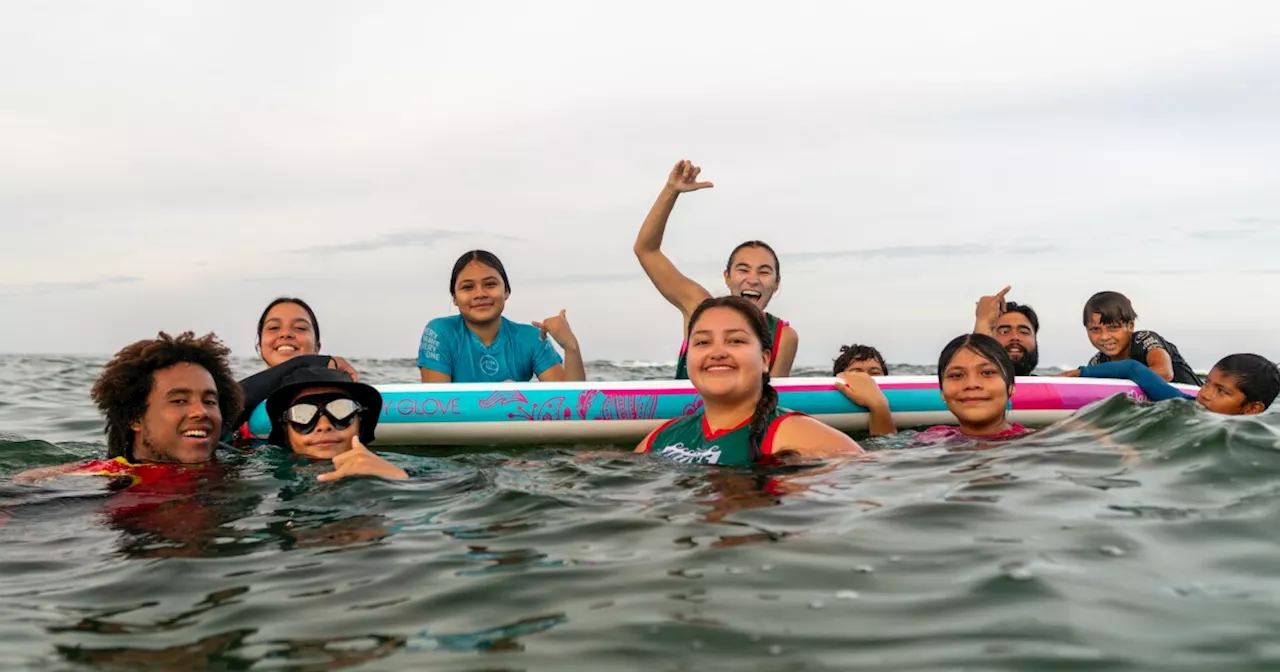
(177, 165)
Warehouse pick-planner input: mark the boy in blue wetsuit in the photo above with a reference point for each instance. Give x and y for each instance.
(1240, 384)
(1109, 318)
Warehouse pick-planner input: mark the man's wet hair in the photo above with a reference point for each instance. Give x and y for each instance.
(1027, 311)
(853, 353)
(1256, 376)
(1111, 307)
(122, 389)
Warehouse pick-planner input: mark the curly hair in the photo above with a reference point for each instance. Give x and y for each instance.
(121, 391)
(855, 353)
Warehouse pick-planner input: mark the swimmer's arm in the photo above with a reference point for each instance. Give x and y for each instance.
(863, 391)
(1152, 385)
(788, 343)
(43, 473)
(675, 287)
(647, 442)
(1160, 362)
(807, 437)
(430, 376)
(572, 369)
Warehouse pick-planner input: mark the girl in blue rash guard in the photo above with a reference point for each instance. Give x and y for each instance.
(479, 345)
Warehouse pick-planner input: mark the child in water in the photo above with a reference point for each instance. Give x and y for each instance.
(1239, 384)
(1109, 318)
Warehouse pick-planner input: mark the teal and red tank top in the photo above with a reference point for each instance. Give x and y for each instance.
(776, 324)
(689, 439)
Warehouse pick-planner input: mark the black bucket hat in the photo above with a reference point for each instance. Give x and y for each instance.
(313, 376)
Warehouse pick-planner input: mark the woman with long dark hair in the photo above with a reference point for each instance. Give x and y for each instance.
(740, 422)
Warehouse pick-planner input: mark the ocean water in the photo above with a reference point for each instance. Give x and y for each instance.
(1138, 537)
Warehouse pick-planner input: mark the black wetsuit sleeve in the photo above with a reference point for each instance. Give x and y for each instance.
(1143, 342)
(259, 386)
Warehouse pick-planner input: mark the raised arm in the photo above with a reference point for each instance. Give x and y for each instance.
(676, 287)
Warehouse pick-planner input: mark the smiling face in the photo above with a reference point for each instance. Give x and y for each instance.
(1221, 394)
(753, 275)
(975, 392)
(1111, 340)
(479, 293)
(725, 357)
(1015, 333)
(182, 419)
(325, 441)
(287, 332)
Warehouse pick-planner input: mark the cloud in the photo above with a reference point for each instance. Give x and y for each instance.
(66, 286)
(400, 239)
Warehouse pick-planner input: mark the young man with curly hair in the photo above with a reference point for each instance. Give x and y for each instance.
(166, 400)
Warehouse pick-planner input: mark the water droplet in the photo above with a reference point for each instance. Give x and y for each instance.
(895, 558)
(1114, 551)
(846, 595)
(695, 644)
(653, 629)
(755, 637)
(775, 649)
(816, 604)
(766, 567)
(864, 569)
(736, 570)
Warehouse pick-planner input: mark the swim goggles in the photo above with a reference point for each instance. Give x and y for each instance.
(304, 417)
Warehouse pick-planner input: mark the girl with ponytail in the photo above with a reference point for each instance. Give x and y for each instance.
(740, 422)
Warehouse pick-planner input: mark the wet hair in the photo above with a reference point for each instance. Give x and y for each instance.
(315, 324)
(986, 347)
(1255, 375)
(121, 391)
(487, 258)
(1111, 307)
(1027, 311)
(760, 244)
(760, 325)
(854, 353)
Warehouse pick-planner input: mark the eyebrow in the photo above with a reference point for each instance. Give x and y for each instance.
(186, 390)
(743, 264)
(734, 330)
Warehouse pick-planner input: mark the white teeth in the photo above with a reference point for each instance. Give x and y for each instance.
(196, 433)
(286, 348)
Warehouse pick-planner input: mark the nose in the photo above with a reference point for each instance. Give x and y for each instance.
(323, 424)
(197, 409)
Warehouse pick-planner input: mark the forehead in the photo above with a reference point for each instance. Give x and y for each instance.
(1219, 377)
(754, 257)
(721, 319)
(477, 270)
(288, 312)
(966, 358)
(1095, 320)
(1014, 319)
(182, 375)
(318, 389)
(862, 364)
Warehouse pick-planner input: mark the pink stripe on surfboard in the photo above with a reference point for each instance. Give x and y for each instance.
(781, 388)
(1047, 396)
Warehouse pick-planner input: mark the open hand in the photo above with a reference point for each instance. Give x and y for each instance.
(558, 327)
(684, 177)
(360, 461)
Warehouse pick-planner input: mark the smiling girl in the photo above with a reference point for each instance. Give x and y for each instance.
(752, 272)
(740, 423)
(479, 345)
(975, 377)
